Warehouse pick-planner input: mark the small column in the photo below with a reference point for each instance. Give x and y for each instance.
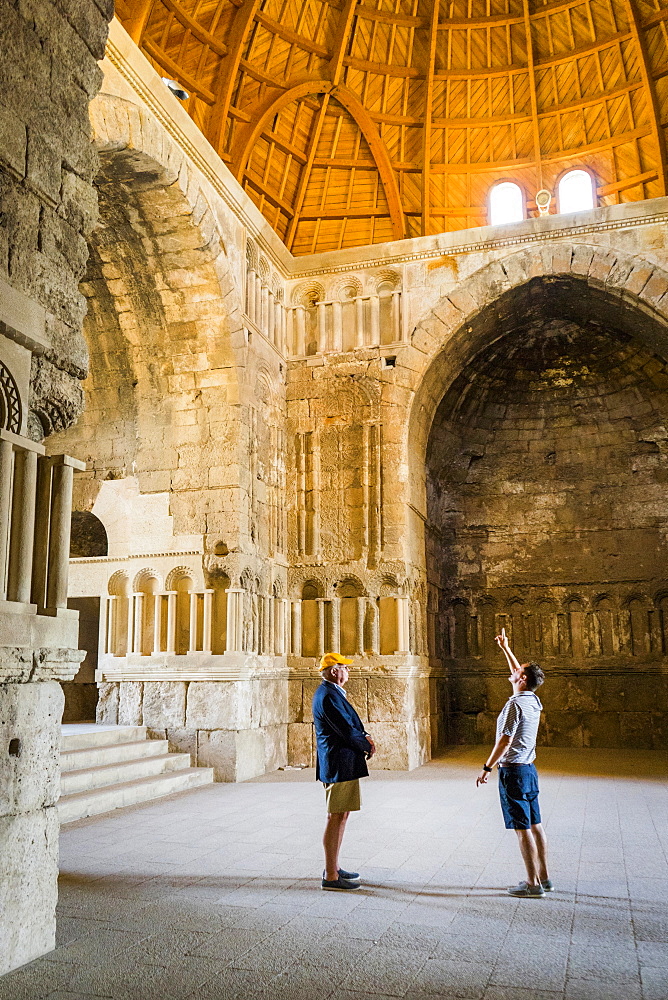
(258, 300)
(264, 324)
(231, 638)
(241, 603)
(279, 627)
(250, 294)
(207, 617)
(23, 527)
(337, 327)
(359, 317)
(374, 303)
(171, 621)
(138, 600)
(359, 625)
(157, 623)
(192, 623)
(336, 625)
(130, 628)
(402, 625)
(296, 628)
(266, 625)
(6, 462)
(287, 625)
(104, 636)
(40, 558)
(278, 325)
(375, 628)
(322, 327)
(299, 314)
(396, 316)
(271, 316)
(59, 535)
(320, 601)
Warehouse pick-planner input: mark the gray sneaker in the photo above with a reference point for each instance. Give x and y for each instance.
(526, 891)
(548, 884)
(340, 885)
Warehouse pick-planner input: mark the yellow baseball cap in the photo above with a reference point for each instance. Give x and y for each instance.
(333, 660)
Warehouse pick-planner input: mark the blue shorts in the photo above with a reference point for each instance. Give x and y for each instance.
(518, 790)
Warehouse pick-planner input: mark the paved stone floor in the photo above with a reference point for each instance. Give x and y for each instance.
(214, 894)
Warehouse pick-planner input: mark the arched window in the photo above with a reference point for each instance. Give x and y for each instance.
(576, 192)
(506, 204)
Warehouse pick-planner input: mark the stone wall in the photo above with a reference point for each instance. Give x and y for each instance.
(48, 73)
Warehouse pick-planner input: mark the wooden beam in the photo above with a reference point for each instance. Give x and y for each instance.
(189, 22)
(227, 74)
(176, 72)
(290, 36)
(535, 128)
(314, 139)
(428, 103)
(650, 89)
(341, 40)
(628, 182)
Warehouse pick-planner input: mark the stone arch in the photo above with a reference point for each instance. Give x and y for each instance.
(618, 286)
(343, 288)
(88, 537)
(10, 402)
(387, 279)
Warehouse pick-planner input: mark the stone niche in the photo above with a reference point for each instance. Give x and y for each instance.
(547, 469)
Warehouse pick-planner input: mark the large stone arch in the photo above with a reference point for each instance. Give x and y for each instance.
(620, 285)
(164, 325)
(535, 550)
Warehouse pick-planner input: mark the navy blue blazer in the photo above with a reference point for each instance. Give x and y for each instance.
(340, 738)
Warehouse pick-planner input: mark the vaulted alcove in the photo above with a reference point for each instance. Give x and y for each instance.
(547, 507)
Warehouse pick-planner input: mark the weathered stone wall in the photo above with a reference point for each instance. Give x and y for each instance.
(48, 74)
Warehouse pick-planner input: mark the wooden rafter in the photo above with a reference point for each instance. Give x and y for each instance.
(652, 99)
(489, 111)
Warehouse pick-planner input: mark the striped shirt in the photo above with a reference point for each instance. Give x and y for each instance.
(519, 719)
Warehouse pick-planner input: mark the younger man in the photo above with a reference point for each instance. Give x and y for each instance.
(515, 752)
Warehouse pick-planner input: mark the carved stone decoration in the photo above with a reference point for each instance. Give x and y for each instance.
(10, 401)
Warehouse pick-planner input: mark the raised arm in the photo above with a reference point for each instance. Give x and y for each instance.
(502, 641)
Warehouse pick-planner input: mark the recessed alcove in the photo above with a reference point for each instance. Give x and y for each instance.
(546, 481)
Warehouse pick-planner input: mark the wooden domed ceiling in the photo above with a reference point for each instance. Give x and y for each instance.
(351, 122)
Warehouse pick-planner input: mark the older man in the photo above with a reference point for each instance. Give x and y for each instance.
(515, 752)
(343, 749)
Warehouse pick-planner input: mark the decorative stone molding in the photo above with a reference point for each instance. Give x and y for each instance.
(19, 665)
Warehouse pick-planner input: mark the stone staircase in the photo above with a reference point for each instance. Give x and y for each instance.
(108, 767)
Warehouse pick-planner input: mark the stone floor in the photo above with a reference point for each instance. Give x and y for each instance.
(214, 894)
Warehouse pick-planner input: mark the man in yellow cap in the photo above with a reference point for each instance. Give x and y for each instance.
(343, 749)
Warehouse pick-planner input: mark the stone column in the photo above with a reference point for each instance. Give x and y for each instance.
(192, 623)
(171, 621)
(374, 304)
(59, 534)
(105, 636)
(287, 625)
(250, 294)
(40, 568)
(23, 527)
(297, 628)
(279, 644)
(336, 625)
(130, 629)
(258, 300)
(359, 324)
(299, 314)
(6, 463)
(337, 329)
(271, 315)
(157, 623)
(207, 617)
(396, 316)
(231, 638)
(402, 625)
(322, 328)
(375, 627)
(139, 622)
(264, 324)
(320, 601)
(359, 625)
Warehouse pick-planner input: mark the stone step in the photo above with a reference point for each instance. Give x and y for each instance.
(113, 753)
(81, 736)
(122, 772)
(79, 805)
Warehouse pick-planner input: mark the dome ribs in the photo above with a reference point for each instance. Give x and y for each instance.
(356, 121)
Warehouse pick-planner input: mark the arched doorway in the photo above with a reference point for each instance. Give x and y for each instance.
(547, 514)
(88, 540)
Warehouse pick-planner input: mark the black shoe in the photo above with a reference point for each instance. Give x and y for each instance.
(340, 885)
(348, 876)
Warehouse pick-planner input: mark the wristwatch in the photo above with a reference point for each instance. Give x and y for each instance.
(485, 768)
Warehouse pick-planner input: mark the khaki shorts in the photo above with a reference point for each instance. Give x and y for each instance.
(343, 796)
